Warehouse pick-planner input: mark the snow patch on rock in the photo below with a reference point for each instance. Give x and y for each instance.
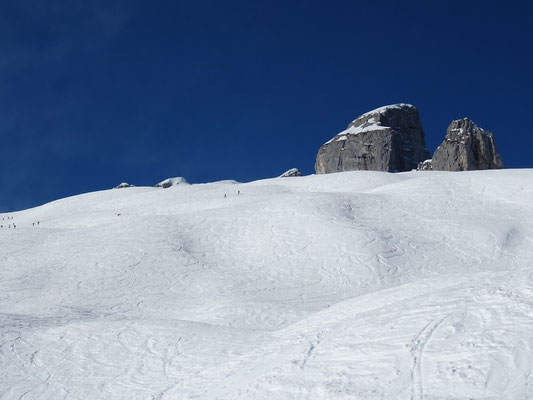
(123, 185)
(381, 110)
(290, 173)
(172, 182)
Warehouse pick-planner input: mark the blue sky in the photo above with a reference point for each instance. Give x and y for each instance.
(97, 93)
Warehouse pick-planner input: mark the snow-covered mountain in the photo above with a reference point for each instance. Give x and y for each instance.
(355, 285)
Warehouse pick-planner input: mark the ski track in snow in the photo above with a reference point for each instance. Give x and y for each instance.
(357, 285)
(417, 350)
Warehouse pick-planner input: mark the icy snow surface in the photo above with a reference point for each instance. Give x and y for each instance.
(356, 285)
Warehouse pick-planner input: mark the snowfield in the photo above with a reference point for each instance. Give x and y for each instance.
(356, 285)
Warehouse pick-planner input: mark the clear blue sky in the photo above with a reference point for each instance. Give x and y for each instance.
(94, 93)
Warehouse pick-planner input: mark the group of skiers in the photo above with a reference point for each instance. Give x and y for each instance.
(13, 225)
(238, 193)
(9, 225)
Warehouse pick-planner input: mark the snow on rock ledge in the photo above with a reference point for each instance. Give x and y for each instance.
(426, 165)
(389, 138)
(291, 172)
(172, 182)
(123, 185)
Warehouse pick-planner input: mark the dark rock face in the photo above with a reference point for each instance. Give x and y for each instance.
(389, 138)
(291, 172)
(466, 147)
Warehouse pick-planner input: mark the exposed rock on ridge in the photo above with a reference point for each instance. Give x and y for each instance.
(466, 147)
(389, 138)
(172, 182)
(425, 165)
(123, 185)
(290, 173)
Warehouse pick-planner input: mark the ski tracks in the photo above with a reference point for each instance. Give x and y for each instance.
(417, 348)
(310, 351)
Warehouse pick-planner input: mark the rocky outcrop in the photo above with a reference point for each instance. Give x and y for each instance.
(123, 185)
(291, 172)
(426, 165)
(466, 147)
(389, 138)
(172, 182)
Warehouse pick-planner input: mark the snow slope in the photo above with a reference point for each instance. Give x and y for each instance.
(356, 285)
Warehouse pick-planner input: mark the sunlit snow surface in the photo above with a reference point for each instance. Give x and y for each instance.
(358, 285)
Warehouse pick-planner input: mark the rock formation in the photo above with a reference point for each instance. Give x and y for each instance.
(425, 165)
(172, 182)
(123, 185)
(465, 147)
(291, 172)
(389, 138)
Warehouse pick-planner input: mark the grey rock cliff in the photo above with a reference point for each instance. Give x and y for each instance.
(466, 147)
(389, 138)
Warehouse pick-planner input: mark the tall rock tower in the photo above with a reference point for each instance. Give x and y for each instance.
(389, 138)
(465, 147)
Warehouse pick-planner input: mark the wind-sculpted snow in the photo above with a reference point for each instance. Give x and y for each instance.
(356, 285)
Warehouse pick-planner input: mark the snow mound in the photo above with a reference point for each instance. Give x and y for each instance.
(224, 182)
(172, 182)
